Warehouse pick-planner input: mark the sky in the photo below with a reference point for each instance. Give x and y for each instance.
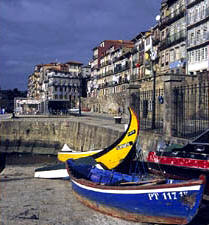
(43, 31)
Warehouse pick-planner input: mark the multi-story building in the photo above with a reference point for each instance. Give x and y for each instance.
(98, 53)
(137, 58)
(173, 36)
(197, 36)
(56, 85)
(86, 71)
(114, 71)
(62, 89)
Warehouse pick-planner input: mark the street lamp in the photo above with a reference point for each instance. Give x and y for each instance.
(153, 94)
(79, 94)
(153, 56)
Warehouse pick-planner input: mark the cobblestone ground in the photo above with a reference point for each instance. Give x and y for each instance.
(31, 201)
(25, 200)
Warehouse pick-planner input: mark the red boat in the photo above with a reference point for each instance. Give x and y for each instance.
(189, 161)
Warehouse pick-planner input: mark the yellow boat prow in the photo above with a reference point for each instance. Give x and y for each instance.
(119, 151)
(113, 155)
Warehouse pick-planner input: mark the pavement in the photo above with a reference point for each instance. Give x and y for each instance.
(25, 200)
(91, 118)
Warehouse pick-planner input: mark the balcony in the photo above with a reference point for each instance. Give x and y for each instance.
(198, 18)
(172, 17)
(191, 3)
(106, 63)
(156, 40)
(198, 41)
(113, 83)
(173, 40)
(95, 57)
(120, 68)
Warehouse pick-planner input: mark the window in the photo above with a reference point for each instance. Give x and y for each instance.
(148, 41)
(172, 58)
(189, 57)
(162, 60)
(202, 53)
(192, 38)
(198, 55)
(166, 58)
(183, 52)
(177, 50)
(198, 36)
(206, 53)
(205, 32)
(195, 56)
(192, 56)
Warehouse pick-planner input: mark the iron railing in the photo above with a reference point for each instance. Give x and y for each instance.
(143, 105)
(190, 110)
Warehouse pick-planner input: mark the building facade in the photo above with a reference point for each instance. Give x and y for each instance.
(172, 27)
(197, 36)
(58, 86)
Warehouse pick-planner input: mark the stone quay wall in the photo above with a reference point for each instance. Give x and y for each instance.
(48, 136)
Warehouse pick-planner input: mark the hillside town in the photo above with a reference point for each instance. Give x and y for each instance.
(119, 138)
(162, 73)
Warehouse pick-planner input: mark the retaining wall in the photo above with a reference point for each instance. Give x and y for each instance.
(47, 137)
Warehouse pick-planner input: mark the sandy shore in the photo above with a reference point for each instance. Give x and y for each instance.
(31, 201)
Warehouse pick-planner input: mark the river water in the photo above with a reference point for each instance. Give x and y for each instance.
(25, 200)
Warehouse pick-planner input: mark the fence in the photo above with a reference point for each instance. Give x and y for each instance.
(191, 110)
(143, 105)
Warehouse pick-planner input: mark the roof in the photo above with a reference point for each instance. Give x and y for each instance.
(74, 62)
(124, 42)
(140, 35)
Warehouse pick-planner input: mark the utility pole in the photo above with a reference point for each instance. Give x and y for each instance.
(79, 95)
(153, 94)
(153, 56)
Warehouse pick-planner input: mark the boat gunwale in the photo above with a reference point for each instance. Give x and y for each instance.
(180, 158)
(186, 183)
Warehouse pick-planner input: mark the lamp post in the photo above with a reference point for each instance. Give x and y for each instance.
(153, 56)
(79, 95)
(153, 94)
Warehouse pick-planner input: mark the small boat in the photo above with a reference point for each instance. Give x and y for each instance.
(111, 156)
(68, 153)
(136, 198)
(187, 162)
(56, 171)
(2, 161)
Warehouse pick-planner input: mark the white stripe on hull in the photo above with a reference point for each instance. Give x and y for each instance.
(188, 188)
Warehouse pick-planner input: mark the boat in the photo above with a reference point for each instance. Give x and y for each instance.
(113, 155)
(186, 162)
(110, 157)
(136, 198)
(2, 161)
(57, 171)
(68, 153)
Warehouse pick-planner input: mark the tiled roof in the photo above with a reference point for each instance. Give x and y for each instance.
(74, 62)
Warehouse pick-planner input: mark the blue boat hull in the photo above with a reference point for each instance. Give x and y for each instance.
(167, 203)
